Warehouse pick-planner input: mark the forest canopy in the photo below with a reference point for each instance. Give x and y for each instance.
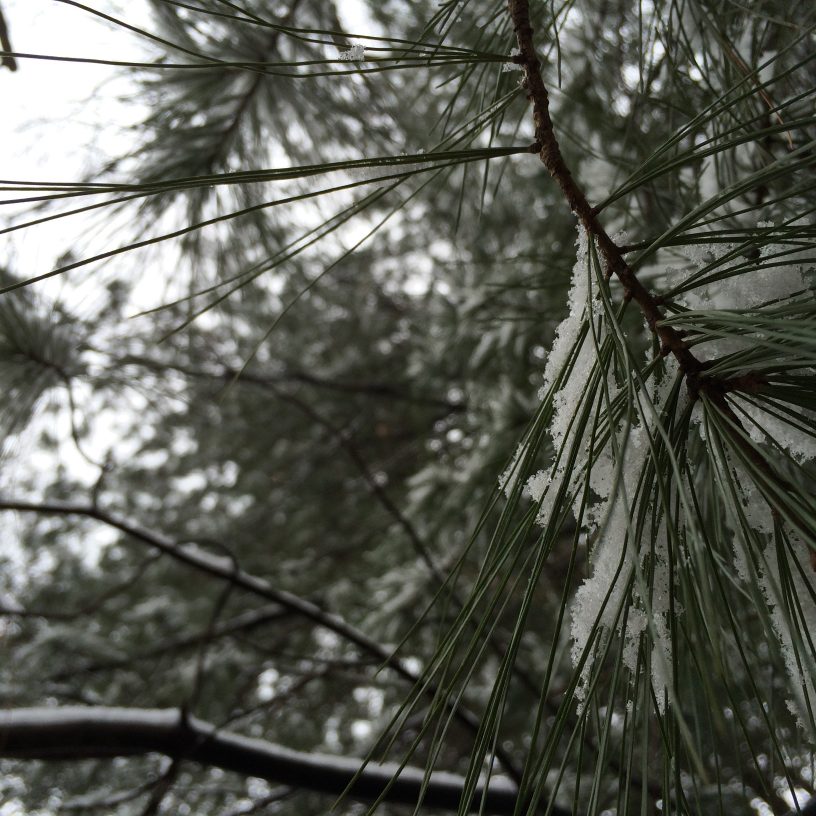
(411, 407)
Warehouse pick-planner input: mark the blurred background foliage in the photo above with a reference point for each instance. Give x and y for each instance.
(327, 390)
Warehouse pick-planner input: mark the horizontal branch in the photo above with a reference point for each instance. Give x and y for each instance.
(226, 569)
(76, 732)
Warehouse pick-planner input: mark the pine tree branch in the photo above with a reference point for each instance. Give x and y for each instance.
(77, 732)
(550, 155)
(671, 340)
(227, 135)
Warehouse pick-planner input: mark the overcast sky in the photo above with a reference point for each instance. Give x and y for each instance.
(60, 119)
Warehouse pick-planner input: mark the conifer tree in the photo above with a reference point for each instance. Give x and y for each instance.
(424, 414)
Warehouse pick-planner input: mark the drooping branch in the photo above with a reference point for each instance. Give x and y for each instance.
(76, 732)
(222, 568)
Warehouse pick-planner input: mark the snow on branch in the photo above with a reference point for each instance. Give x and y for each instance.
(223, 568)
(354, 54)
(78, 732)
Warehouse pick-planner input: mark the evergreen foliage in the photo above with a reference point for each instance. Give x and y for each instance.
(445, 395)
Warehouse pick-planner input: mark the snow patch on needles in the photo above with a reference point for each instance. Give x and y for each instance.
(785, 578)
(616, 454)
(599, 601)
(615, 474)
(574, 375)
(621, 550)
(354, 54)
(630, 594)
(566, 338)
(787, 431)
(794, 619)
(568, 331)
(781, 276)
(780, 273)
(769, 283)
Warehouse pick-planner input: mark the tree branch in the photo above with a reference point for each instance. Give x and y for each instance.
(671, 340)
(224, 569)
(240, 624)
(550, 155)
(226, 136)
(373, 388)
(76, 732)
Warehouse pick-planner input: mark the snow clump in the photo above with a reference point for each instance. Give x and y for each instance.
(354, 54)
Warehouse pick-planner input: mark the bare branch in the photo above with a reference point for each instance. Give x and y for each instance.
(224, 569)
(76, 732)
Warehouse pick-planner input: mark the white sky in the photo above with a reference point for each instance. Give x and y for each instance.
(58, 117)
(61, 120)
